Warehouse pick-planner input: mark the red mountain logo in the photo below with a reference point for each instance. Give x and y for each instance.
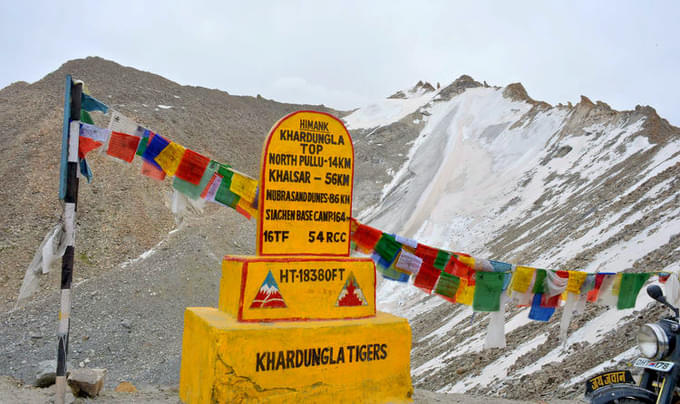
(269, 295)
(351, 294)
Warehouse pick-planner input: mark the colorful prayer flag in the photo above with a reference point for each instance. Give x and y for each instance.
(427, 253)
(488, 289)
(170, 157)
(156, 144)
(90, 138)
(427, 277)
(576, 279)
(388, 248)
(441, 259)
(143, 142)
(122, 146)
(366, 236)
(89, 103)
(192, 167)
(406, 241)
(538, 312)
(500, 266)
(408, 262)
(631, 283)
(447, 286)
(466, 292)
(243, 186)
(122, 124)
(522, 279)
(151, 171)
(196, 191)
(539, 281)
(212, 188)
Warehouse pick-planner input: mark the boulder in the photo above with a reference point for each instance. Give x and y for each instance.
(86, 382)
(126, 387)
(46, 373)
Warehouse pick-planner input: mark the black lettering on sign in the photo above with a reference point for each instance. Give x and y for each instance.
(309, 124)
(292, 275)
(309, 357)
(283, 159)
(294, 176)
(297, 196)
(310, 137)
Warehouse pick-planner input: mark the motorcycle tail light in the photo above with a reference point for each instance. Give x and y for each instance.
(653, 341)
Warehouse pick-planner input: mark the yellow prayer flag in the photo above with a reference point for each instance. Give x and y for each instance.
(170, 157)
(243, 186)
(617, 284)
(521, 279)
(465, 294)
(247, 207)
(576, 279)
(469, 261)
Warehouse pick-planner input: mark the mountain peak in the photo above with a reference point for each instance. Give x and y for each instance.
(420, 88)
(458, 86)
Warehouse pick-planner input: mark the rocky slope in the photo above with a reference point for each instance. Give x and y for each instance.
(121, 214)
(491, 172)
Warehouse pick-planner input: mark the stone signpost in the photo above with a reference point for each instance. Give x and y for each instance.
(298, 321)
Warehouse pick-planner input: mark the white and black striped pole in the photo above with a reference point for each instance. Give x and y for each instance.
(68, 191)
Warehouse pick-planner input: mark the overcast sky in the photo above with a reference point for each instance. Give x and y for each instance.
(345, 54)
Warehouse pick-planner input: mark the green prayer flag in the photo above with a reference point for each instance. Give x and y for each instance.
(441, 260)
(538, 283)
(85, 117)
(225, 196)
(488, 289)
(194, 191)
(143, 142)
(447, 285)
(225, 171)
(629, 289)
(387, 247)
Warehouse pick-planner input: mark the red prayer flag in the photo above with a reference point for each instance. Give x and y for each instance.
(366, 237)
(594, 293)
(427, 277)
(427, 253)
(152, 171)
(243, 212)
(461, 270)
(552, 301)
(204, 193)
(123, 146)
(192, 167)
(86, 145)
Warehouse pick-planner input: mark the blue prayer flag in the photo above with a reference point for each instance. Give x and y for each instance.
(89, 103)
(539, 313)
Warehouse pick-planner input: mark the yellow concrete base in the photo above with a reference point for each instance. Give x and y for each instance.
(339, 361)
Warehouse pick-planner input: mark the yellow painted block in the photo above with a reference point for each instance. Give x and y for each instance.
(297, 288)
(339, 361)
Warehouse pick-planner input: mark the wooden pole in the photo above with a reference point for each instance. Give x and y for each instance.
(70, 197)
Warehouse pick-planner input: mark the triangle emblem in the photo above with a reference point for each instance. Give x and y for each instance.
(351, 294)
(269, 295)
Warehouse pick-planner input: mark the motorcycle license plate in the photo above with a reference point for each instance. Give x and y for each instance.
(660, 366)
(607, 378)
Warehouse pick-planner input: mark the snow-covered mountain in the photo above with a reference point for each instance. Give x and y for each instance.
(491, 172)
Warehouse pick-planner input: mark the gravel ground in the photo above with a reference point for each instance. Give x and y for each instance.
(13, 391)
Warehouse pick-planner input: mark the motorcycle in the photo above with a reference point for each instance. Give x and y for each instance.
(659, 346)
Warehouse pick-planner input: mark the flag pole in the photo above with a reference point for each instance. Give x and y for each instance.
(68, 191)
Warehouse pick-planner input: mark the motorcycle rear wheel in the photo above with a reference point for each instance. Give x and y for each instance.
(622, 393)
